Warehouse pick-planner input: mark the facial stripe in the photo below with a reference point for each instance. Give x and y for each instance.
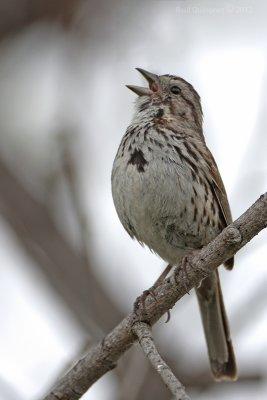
(192, 108)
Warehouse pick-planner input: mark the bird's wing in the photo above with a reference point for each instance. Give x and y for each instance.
(213, 175)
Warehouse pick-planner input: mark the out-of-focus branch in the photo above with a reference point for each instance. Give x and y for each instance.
(17, 14)
(255, 302)
(66, 271)
(103, 357)
(204, 383)
(71, 174)
(143, 332)
(133, 373)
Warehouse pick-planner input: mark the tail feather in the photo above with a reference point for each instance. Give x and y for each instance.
(216, 328)
(229, 264)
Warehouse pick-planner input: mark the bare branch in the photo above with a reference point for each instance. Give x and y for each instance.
(103, 357)
(143, 332)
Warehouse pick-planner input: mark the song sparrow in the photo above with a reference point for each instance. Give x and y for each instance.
(169, 194)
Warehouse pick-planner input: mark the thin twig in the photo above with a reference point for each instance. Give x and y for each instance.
(145, 338)
(104, 356)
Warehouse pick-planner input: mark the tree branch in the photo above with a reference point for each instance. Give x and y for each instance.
(143, 332)
(103, 357)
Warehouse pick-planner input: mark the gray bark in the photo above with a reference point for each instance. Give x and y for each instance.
(103, 357)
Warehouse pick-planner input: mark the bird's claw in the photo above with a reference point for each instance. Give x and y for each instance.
(139, 304)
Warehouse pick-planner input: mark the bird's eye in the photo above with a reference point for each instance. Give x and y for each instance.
(175, 89)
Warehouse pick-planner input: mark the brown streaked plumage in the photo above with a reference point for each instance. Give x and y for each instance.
(169, 194)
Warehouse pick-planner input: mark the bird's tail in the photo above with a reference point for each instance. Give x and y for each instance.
(216, 328)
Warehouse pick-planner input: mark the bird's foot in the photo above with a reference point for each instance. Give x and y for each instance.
(139, 304)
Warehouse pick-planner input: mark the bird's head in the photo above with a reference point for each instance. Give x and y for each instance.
(170, 93)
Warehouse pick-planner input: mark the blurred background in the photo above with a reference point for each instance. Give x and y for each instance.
(68, 270)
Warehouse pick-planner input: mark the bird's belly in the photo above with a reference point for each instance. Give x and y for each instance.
(158, 207)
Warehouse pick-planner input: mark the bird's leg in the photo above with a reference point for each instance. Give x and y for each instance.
(181, 274)
(162, 276)
(139, 304)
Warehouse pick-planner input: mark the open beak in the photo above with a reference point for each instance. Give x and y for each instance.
(152, 80)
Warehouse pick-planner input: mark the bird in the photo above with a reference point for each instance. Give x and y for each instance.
(169, 195)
